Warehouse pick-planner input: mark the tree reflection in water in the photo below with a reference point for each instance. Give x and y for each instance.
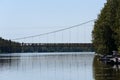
(9, 62)
(103, 71)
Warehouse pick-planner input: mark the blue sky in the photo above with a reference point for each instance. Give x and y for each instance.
(20, 18)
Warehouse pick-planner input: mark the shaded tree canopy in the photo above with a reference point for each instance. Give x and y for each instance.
(8, 46)
(106, 32)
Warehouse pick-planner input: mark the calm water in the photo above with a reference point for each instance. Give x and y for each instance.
(55, 66)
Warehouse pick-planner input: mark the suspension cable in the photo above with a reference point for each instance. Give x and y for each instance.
(55, 30)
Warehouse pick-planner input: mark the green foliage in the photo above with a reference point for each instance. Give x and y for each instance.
(106, 33)
(58, 47)
(8, 46)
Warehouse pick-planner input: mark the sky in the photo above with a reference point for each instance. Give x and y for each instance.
(22, 18)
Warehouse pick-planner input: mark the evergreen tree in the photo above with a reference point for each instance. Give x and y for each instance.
(117, 31)
(8, 46)
(105, 33)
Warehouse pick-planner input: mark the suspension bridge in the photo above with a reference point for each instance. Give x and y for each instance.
(65, 35)
(73, 38)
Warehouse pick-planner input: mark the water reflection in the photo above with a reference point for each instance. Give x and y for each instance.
(103, 71)
(8, 62)
(47, 67)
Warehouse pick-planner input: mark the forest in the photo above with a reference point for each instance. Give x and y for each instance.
(8, 46)
(57, 47)
(106, 32)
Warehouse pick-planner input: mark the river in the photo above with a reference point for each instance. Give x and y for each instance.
(55, 66)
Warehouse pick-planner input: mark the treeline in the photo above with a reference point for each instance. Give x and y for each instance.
(58, 47)
(8, 46)
(106, 33)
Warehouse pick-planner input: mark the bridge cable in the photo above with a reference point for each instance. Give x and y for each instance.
(54, 31)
